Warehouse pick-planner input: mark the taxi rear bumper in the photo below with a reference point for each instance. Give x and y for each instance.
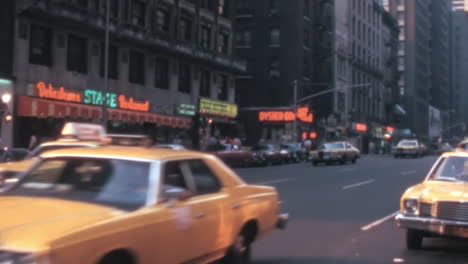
(433, 225)
(282, 222)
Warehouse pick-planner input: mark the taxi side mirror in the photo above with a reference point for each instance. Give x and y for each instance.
(177, 194)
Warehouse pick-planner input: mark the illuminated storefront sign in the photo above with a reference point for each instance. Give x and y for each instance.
(302, 114)
(213, 107)
(95, 98)
(91, 97)
(360, 127)
(49, 92)
(186, 109)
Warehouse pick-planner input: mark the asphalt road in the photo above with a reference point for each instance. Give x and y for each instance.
(343, 214)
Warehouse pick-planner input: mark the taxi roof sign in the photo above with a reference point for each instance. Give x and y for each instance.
(83, 131)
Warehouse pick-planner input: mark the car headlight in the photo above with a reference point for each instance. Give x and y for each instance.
(410, 206)
(284, 152)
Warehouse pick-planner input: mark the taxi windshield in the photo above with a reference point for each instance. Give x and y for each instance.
(113, 182)
(333, 146)
(452, 168)
(407, 144)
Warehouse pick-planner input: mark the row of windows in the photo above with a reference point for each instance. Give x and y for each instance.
(358, 29)
(244, 7)
(244, 37)
(366, 13)
(40, 53)
(160, 21)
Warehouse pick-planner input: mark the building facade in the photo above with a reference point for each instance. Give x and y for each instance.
(414, 62)
(279, 40)
(162, 55)
(440, 64)
(459, 78)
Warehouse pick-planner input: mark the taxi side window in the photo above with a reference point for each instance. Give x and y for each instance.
(204, 179)
(173, 176)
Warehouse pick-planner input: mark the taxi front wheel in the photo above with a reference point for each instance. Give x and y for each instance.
(414, 239)
(239, 253)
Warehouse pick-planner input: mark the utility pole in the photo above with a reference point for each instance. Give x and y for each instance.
(106, 68)
(294, 132)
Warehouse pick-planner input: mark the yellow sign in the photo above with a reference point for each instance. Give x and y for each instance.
(213, 107)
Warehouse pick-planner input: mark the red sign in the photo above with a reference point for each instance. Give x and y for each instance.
(390, 129)
(304, 135)
(48, 91)
(130, 104)
(313, 135)
(303, 114)
(360, 127)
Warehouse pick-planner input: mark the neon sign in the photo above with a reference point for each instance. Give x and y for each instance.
(130, 104)
(49, 92)
(302, 114)
(360, 127)
(92, 97)
(95, 98)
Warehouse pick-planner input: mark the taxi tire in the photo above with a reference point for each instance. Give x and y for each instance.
(118, 257)
(414, 239)
(354, 160)
(239, 253)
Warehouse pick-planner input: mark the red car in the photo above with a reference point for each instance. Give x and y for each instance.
(232, 155)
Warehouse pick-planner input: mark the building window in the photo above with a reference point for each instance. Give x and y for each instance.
(275, 37)
(40, 46)
(185, 78)
(305, 68)
(242, 7)
(185, 29)
(81, 3)
(137, 68)
(206, 4)
(138, 13)
(307, 8)
(113, 63)
(306, 39)
(223, 8)
(273, 7)
(223, 87)
(77, 54)
(244, 38)
(114, 8)
(162, 20)
(205, 37)
(274, 69)
(223, 43)
(162, 73)
(205, 83)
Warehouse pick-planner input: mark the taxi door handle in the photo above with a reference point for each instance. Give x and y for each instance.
(235, 206)
(200, 215)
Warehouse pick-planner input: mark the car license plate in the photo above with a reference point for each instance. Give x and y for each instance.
(326, 157)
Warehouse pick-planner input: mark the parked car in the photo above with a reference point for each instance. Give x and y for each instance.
(296, 153)
(437, 207)
(406, 147)
(111, 205)
(233, 155)
(268, 154)
(335, 152)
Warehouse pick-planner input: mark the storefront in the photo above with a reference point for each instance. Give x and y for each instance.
(217, 118)
(46, 107)
(278, 125)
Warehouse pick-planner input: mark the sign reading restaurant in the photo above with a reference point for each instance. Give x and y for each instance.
(217, 108)
(92, 97)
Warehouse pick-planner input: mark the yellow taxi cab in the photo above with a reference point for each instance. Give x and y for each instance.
(73, 135)
(129, 205)
(439, 205)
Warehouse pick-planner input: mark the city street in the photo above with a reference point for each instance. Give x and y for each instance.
(344, 214)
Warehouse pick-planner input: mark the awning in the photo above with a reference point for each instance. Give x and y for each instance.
(43, 108)
(398, 109)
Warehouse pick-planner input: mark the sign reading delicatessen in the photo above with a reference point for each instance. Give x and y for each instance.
(58, 102)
